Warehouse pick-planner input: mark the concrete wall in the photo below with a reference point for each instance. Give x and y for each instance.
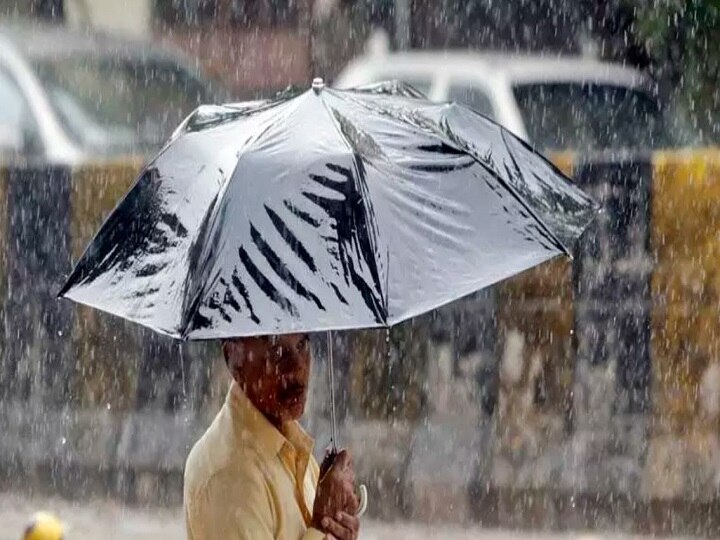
(588, 396)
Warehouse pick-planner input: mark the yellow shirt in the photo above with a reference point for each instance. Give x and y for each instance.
(244, 480)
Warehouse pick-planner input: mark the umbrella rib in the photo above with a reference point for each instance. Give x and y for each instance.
(513, 192)
(378, 305)
(503, 132)
(524, 203)
(506, 184)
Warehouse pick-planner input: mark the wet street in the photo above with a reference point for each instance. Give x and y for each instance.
(110, 521)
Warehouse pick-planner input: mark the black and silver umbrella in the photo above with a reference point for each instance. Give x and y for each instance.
(325, 210)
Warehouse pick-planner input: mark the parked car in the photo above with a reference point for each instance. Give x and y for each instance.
(68, 96)
(553, 102)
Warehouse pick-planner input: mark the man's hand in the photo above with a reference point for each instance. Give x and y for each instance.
(335, 499)
(343, 527)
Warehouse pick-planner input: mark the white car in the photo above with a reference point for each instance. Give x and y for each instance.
(555, 103)
(67, 96)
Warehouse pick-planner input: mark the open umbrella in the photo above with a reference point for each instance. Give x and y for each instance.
(322, 211)
(325, 210)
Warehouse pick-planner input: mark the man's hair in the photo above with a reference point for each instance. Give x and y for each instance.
(240, 341)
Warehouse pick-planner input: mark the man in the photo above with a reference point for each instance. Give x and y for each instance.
(252, 475)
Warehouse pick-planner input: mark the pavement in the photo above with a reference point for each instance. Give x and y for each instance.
(108, 520)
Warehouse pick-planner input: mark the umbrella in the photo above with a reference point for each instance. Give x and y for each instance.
(324, 210)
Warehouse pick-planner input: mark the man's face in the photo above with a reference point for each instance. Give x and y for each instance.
(275, 372)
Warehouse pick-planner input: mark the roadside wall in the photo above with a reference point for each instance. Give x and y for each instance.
(565, 397)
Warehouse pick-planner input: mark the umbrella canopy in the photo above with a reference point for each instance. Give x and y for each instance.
(325, 210)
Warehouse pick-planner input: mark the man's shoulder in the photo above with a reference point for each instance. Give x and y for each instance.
(219, 453)
(245, 472)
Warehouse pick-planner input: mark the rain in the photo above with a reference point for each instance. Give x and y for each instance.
(544, 364)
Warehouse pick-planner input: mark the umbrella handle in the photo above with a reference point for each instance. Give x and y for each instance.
(363, 501)
(333, 436)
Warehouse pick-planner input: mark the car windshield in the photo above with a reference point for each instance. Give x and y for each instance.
(115, 105)
(594, 116)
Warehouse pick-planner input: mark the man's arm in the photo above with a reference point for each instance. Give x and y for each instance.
(236, 506)
(335, 500)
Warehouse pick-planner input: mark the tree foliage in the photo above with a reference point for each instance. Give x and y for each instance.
(682, 41)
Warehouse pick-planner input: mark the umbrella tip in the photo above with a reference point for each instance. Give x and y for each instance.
(318, 84)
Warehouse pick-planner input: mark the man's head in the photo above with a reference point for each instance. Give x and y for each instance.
(273, 371)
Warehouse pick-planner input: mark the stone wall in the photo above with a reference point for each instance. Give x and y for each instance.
(591, 380)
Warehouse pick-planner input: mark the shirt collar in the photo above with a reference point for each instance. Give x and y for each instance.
(252, 424)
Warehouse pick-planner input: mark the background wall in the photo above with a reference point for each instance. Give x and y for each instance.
(591, 381)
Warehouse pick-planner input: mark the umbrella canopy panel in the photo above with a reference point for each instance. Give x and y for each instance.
(322, 211)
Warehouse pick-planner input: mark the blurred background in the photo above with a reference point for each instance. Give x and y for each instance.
(581, 395)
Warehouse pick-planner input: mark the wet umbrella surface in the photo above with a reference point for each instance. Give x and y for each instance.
(325, 210)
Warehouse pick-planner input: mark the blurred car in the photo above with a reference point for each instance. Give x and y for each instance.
(555, 103)
(68, 96)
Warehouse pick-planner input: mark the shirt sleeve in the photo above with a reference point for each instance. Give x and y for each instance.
(236, 505)
(313, 534)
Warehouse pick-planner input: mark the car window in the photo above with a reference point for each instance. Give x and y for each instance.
(114, 105)
(18, 131)
(592, 117)
(422, 84)
(473, 97)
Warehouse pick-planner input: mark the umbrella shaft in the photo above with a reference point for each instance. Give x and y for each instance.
(331, 370)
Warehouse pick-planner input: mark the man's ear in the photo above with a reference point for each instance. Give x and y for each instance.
(234, 351)
(227, 351)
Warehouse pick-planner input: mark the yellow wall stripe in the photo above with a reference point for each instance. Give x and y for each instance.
(686, 281)
(106, 348)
